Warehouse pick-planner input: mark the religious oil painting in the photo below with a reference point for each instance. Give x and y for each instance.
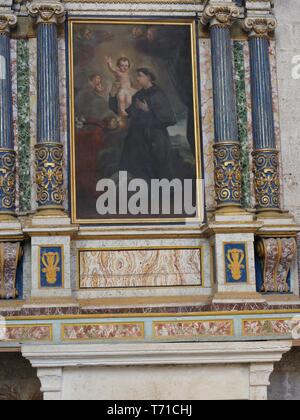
(135, 136)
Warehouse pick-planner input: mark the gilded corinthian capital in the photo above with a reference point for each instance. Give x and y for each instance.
(7, 21)
(221, 14)
(260, 26)
(47, 11)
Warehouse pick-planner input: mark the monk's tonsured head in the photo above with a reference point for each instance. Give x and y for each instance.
(145, 77)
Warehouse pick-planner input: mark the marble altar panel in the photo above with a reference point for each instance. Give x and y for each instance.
(140, 268)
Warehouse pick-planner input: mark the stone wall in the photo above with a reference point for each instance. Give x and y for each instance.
(288, 69)
(285, 380)
(18, 380)
(288, 50)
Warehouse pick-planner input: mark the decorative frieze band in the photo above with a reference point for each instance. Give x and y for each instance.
(47, 11)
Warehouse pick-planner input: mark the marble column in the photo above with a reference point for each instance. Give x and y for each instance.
(265, 156)
(49, 150)
(7, 153)
(227, 148)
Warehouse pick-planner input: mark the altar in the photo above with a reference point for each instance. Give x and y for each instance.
(146, 219)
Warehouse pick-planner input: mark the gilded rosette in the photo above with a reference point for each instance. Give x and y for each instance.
(49, 175)
(228, 174)
(266, 179)
(7, 181)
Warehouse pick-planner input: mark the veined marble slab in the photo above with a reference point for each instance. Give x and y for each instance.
(140, 268)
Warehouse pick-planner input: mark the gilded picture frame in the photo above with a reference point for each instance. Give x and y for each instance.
(89, 40)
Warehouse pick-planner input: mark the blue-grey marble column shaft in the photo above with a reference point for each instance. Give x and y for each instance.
(7, 154)
(262, 98)
(227, 148)
(49, 150)
(48, 116)
(265, 156)
(225, 113)
(6, 117)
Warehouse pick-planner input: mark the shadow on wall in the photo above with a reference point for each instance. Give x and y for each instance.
(285, 380)
(18, 380)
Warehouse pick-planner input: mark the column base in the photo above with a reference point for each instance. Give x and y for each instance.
(230, 209)
(238, 297)
(271, 213)
(37, 302)
(8, 217)
(51, 212)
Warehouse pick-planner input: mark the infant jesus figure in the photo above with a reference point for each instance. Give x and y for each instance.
(122, 87)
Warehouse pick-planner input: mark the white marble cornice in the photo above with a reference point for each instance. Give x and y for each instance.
(154, 354)
(6, 4)
(259, 5)
(167, 8)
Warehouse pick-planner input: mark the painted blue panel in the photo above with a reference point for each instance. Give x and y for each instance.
(236, 263)
(51, 267)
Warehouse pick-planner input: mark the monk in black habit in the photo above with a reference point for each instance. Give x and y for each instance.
(147, 147)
